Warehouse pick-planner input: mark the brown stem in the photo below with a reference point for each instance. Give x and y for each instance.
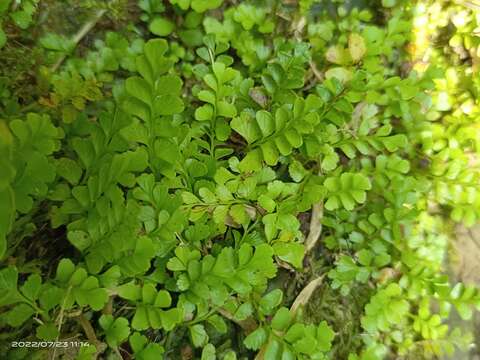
(318, 74)
(88, 329)
(108, 308)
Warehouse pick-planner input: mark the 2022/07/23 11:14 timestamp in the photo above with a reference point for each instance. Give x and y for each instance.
(48, 344)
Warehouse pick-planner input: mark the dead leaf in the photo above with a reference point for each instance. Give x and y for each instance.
(356, 47)
(315, 227)
(306, 293)
(336, 55)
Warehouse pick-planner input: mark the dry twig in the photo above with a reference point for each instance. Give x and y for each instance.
(89, 25)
